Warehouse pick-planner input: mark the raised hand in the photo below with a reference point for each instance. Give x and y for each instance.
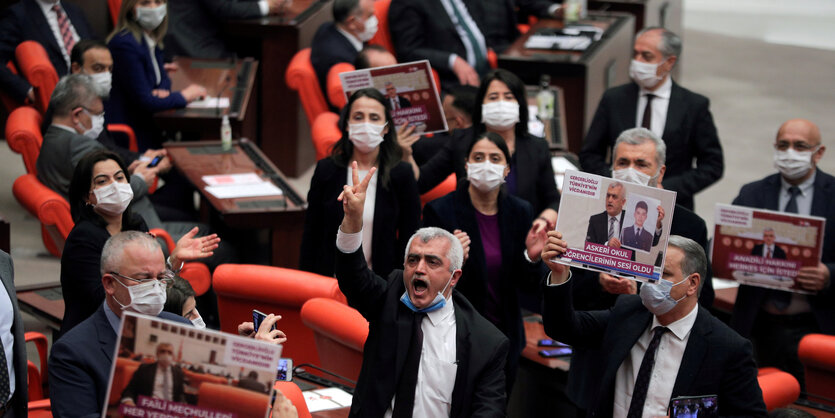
(191, 248)
(660, 217)
(536, 239)
(465, 243)
(353, 200)
(554, 247)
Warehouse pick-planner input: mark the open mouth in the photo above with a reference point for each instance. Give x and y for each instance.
(420, 285)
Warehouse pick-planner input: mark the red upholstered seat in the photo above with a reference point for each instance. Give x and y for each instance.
(817, 353)
(292, 392)
(779, 388)
(301, 77)
(325, 133)
(34, 65)
(340, 332)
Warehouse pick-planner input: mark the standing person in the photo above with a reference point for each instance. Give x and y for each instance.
(776, 320)
(392, 210)
(493, 227)
(654, 101)
(14, 399)
(141, 86)
(502, 108)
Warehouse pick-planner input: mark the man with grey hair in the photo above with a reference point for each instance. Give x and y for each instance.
(654, 101)
(428, 352)
(134, 279)
(657, 346)
(769, 249)
(77, 120)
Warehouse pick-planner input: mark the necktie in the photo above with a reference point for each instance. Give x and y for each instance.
(394, 104)
(611, 227)
(769, 255)
(478, 50)
(647, 119)
(166, 385)
(404, 402)
(639, 392)
(791, 205)
(5, 391)
(64, 27)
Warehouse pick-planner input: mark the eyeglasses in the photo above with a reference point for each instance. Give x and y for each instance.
(167, 278)
(798, 146)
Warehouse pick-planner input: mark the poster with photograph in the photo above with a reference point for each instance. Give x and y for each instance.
(168, 369)
(410, 90)
(615, 227)
(764, 248)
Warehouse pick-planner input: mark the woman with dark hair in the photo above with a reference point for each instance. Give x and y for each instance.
(392, 208)
(100, 198)
(502, 108)
(179, 300)
(501, 244)
(141, 85)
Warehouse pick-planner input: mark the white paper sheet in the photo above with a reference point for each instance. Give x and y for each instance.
(246, 190)
(210, 103)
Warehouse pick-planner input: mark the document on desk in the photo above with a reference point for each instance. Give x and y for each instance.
(210, 103)
(263, 188)
(232, 179)
(328, 398)
(567, 43)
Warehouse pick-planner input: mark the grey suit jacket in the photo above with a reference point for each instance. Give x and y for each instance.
(21, 395)
(196, 26)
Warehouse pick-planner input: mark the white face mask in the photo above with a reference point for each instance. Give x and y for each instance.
(370, 29)
(150, 17)
(103, 81)
(485, 176)
(114, 198)
(145, 298)
(794, 164)
(165, 358)
(631, 175)
(500, 115)
(198, 323)
(645, 74)
(656, 296)
(96, 125)
(366, 136)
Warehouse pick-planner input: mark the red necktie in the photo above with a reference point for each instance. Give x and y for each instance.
(769, 252)
(65, 27)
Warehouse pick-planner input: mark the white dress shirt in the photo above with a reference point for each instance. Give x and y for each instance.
(615, 226)
(660, 104)
(6, 321)
(52, 19)
(151, 47)
(351, 38)
(462, 33)
(664, 373)
(159, 383)
(367, 212)
(804, 199)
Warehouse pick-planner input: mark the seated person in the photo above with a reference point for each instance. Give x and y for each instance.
(196, 26)
(373, 56)
(143, 380)
(180, 301)
(353, 24)
(56, 25)
(458, 103)
(393, 211)
(657, 346)
(501, 18)
(100, 202)
(141, 86)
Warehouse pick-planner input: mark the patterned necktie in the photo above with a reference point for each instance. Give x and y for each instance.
(647, 119)
(404, 402)
(770, 254)
(611, 227)
(64, 27)
(166, 385)
(478, 50)
(5, 391)
(791, 205)
(639, 391)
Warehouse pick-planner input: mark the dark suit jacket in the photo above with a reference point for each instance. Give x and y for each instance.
(402, 101)
(456, 211)
(534, 173)
(60, 152)
(142, 383)
(79, 366)
(765, 194)
(328, 48)
(481, 349)
(21, 395)
(195, 27)
(598, 230)
(501, 19)
(422, 29)
(716, 360)
(396, 218)
(778, 252)
(24, 21)
(689, 133)
(643, 241)
(131, 101)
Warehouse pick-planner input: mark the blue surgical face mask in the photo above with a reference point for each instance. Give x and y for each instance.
(437, 303)
(656, 296)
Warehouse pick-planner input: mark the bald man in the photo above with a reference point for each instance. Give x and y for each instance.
(776, 320)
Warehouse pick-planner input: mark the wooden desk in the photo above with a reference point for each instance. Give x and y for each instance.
(533, 333)
(45, 302)
(283, 215)
(582, 76)
(284, 131)
(234, 80)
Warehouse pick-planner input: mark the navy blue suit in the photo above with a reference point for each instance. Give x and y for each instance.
(716, 361)
(131, 101)
(79, 366)
(765, 194)
(24, 21)
(328, 48)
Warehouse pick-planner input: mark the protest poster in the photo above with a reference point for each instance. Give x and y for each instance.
(168, 369)
(409, 90)
(615, 227)
(764, 248)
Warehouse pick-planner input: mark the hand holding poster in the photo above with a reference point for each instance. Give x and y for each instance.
(765, 248)
(168, 369)
(614, 227)
(410, 92)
